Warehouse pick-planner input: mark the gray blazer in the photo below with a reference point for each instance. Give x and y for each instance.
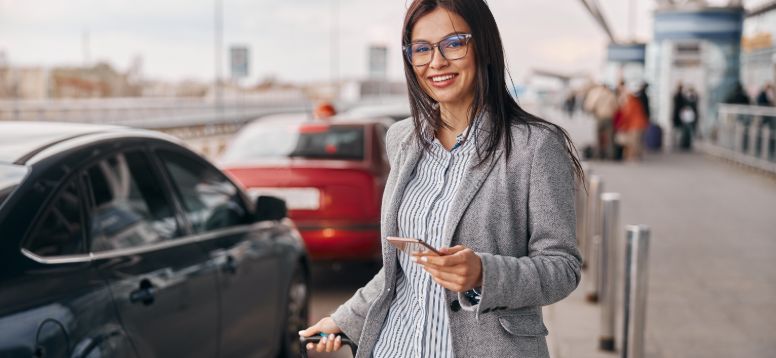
(517, 213)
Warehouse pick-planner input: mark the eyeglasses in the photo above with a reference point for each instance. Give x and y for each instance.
(453, 47)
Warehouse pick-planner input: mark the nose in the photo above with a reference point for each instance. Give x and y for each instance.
(437, 59)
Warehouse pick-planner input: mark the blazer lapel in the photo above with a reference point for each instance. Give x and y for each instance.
(470, 185)
(409, 155)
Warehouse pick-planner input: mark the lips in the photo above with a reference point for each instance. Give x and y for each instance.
(442, 80)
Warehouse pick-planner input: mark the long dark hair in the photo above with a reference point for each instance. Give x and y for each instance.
(490, 90)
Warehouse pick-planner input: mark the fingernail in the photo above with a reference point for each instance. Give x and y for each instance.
(331, 336)
(323, 340)
(424, 259)
(414, 259)
(301, 332)
(339, 338)
(309, 346)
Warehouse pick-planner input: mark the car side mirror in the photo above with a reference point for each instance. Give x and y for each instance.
(270, 208)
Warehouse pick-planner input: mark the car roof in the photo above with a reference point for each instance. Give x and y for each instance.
(295, 119)
(21, 140)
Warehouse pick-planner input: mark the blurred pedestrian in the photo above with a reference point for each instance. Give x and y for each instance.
(324, 110)
(766, 96)
(631, 124)
(601, 102)
(641, 94)
(738, 95)
(678, 104)
(471, 170)
(688, 116)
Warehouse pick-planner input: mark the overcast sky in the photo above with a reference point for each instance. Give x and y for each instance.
(290, 39)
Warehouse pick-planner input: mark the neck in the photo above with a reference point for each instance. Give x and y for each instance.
(456, 115)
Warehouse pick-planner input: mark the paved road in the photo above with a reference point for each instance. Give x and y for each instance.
(331, 287)
(712, 284)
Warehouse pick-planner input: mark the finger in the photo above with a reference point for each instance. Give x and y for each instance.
(338, 343)
(309, 331)
(452, 250)
(446, 276)
(321, 346)
(310, 346)
(447, 260)
(330, 343)
(452, 286)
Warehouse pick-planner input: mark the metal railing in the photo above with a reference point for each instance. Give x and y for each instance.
(744, 134)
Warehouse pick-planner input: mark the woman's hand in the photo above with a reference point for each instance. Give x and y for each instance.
(330, 343)
(459, 269)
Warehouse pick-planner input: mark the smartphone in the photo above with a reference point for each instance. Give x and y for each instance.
(411, 245)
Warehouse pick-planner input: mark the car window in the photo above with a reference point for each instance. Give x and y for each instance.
(60, 230)
(210, 200)
(129, 207)
(312, 141)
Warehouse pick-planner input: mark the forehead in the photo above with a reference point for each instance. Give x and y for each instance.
(437, 24)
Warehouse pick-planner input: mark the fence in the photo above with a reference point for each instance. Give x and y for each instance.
(744, 134)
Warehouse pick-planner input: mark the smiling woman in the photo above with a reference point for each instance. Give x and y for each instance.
(487, 183)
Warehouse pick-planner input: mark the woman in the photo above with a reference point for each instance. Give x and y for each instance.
(478, 177)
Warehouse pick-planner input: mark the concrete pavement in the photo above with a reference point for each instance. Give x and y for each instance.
(712, 274)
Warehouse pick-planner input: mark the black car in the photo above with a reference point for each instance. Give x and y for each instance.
(117, 242)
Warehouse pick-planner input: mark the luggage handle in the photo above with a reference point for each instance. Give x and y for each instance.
(317, 338)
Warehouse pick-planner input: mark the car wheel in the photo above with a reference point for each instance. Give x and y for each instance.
(297, 309)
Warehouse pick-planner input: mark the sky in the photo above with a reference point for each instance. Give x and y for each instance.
(292, 40)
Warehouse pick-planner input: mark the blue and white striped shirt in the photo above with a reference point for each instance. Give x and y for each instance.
(417, 324)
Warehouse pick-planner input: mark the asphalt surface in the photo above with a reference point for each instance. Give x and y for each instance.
(332, 285)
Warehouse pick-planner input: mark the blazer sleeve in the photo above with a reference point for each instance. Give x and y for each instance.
(351, 315)
(551, 271)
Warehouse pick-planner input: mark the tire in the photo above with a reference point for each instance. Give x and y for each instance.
(296, 316)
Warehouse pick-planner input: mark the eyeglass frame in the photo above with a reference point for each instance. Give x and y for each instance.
(434, 47)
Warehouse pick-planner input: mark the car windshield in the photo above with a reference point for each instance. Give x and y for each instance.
(10, 177)
(311, 141)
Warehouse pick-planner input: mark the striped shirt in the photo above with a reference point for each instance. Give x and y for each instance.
(417, 324)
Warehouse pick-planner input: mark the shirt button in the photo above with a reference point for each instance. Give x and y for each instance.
(455, 306)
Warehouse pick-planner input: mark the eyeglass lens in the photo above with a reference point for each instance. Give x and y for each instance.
(452, 48)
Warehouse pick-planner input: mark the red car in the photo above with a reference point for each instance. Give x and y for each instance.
(330, 172)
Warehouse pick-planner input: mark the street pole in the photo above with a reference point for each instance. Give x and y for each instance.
(218, 32)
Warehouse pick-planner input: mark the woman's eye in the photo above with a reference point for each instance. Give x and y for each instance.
(421, 49)
(454, 43)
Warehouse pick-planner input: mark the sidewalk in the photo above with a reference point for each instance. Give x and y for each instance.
(712, 268)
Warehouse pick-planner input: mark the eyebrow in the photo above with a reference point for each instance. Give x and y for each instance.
(443, 37)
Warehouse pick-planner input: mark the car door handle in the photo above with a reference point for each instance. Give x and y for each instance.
(230, 266)
(144, 294)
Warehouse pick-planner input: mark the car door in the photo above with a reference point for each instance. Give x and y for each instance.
(163, 289)
(251, 313)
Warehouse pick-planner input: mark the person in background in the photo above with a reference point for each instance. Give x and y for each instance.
(766, 96)
(601, 102)
(631, 125)
(688, 116)
(641, 94)
(678, 104)
(738, 95)
(324, 110)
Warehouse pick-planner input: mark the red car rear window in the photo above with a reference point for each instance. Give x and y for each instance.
(312, 141)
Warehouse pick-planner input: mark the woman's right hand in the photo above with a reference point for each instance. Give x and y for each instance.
(331, 343)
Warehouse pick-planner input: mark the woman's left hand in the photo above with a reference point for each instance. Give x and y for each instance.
(459, 269)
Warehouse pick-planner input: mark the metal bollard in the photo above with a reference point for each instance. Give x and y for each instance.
(608, 275)
(635, 291)
(592, 250)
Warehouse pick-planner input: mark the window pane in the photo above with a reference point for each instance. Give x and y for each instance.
(130, 209)
(60, 231)
(211, 201)
(313, 141)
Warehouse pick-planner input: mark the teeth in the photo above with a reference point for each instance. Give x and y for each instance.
(441, 78)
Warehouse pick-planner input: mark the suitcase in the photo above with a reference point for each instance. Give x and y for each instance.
(315, 339)
(653, 137)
